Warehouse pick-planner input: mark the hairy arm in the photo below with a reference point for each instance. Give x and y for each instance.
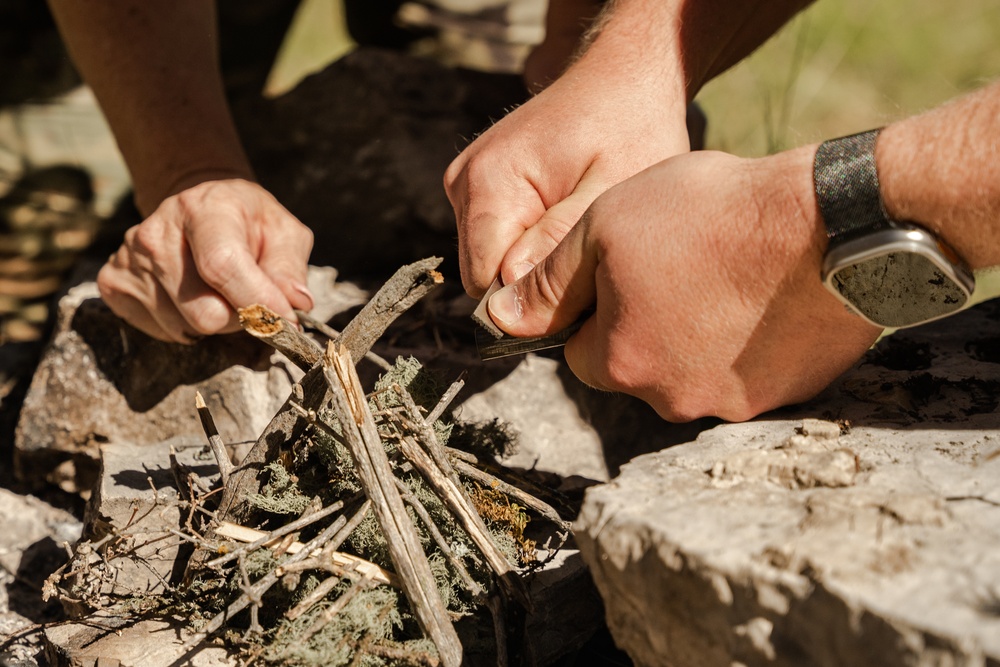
(212, 240)
(942, 169)
(153, 65)
(619, 108)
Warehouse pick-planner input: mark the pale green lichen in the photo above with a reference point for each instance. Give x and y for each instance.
(281, 494)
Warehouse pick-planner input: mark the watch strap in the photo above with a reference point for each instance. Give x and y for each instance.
(847, 189)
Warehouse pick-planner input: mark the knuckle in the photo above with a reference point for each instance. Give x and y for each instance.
(206, 321)
(218, 265)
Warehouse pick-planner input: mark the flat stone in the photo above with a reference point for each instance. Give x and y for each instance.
(31, 548)
(110, 641)
(100, 381)
(564, 428)
(857, 529)
(136, 499)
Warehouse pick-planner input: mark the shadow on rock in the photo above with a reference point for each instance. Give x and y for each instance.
(146, 370)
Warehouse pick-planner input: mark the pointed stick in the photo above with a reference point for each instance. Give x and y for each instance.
(214, 439)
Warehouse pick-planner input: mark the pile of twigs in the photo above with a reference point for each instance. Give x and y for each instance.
(378, 457)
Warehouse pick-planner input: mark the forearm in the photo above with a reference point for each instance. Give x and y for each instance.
(941, 169)
(688, 41)
(153, 65)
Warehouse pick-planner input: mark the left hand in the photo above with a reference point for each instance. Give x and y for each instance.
(705, 274)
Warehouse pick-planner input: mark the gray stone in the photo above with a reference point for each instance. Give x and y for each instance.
(112, 641)
(562, 428)
(31, 547)
(136, 499)
(784, 541)
(100, 380)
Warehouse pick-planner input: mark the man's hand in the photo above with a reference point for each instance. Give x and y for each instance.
(521, 186)
(212, 248)
(704, 270)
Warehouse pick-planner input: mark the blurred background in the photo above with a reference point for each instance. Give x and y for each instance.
(838, 68)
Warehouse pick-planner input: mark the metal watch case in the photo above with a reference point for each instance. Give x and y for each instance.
(898, 277)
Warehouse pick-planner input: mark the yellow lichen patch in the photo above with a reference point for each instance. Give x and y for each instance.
(496, 507)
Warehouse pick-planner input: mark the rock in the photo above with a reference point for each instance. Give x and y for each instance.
(136, 499)
(111, 642)
(564, 428)
(31, 548)
(101, 381)
(857, 529)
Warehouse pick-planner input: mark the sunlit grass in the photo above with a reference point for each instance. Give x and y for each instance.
(849, 65)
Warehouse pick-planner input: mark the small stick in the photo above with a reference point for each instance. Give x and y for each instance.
(214, 439)
(264, 324)
(321, 591)
(397, 655)
(523, 497)
(407, 286)
(445, 401)
(555, 497)
(376, 478)
(461, 507)
(288, 528)
(333, 334)
(340, 559)
(428, 438)
(350, 527)
(474, 588)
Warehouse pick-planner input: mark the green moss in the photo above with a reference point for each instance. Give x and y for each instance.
(281, 494)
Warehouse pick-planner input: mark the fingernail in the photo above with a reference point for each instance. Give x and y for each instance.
(506, 306)
(304, 291)
(522, 269)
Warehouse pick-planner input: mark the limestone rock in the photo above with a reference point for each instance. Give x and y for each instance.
(564, 428)
(112, 642)
(100, 380)
(137, 500)
(785, 541)
(31, 548)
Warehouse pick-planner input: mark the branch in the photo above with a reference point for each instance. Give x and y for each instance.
(377, 479)
(405, 288)
(214, 440)
(264, 324)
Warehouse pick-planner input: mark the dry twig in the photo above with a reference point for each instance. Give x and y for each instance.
(375, 474)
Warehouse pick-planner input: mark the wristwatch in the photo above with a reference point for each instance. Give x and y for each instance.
(893, 274)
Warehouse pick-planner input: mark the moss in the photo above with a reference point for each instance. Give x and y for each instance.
(281, 494)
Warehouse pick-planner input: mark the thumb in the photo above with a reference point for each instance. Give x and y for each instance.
(285, 260)
(554, 293)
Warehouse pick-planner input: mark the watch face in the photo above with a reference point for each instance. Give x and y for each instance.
(898, 278)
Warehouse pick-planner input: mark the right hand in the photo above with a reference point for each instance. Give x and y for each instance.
(521, 186)
(215, 247)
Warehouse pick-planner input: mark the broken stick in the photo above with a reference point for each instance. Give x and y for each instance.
(378, 481)
(264, 324)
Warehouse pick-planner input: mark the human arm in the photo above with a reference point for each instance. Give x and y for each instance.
(566, 23)
(212, 238)
(618, 108)
(705, 268)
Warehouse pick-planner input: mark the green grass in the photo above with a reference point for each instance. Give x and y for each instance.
(844, 66)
